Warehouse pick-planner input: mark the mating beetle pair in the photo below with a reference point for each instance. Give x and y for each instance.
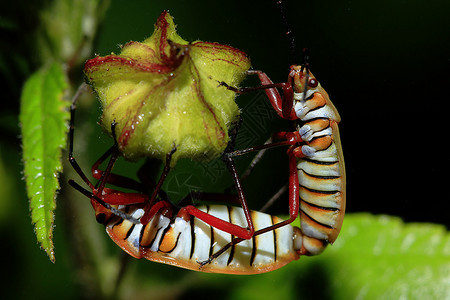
(216, 236)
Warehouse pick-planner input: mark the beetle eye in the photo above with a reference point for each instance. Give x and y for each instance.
(313, 83)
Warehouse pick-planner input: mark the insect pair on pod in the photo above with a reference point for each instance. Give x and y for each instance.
(172, 233)
(155, 229)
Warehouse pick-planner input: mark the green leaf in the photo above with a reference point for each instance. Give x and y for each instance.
(374, 257)
(380, 257)
(43, 118)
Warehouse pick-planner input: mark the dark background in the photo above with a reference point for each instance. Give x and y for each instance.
(384, 64)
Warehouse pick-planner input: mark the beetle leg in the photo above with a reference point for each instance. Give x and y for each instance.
(152, 200)
(294, 205)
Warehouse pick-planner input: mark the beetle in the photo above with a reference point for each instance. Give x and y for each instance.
(108, 196)
(316, 164)
(174, 237)
(159, 101)
(182, 235)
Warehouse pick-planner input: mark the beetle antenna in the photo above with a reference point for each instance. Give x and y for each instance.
(289, 35)
(305, 60)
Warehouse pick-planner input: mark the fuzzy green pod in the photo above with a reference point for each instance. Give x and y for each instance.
(164, 92)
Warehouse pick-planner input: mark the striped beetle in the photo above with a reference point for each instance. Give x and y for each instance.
(316, 163)
(187, 242)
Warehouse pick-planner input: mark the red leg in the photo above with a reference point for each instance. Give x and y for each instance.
(287, 139)
(72, 160)
(115, 197)
(294, 206)
(293, 187)
(245, 233)
(101, 208)
(167, 206)
(112, 178)
(101, 194)
(272, 93)
(151, 202)
(236, 230)
(283, 105)
(294, 203)
(107, 176)
(291, 138)
(112, 196)
(240, 232)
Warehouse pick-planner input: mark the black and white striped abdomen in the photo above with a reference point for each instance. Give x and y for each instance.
(321, 172)
(322, 201)
(185, 243)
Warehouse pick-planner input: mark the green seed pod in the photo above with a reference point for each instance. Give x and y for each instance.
(164, 92)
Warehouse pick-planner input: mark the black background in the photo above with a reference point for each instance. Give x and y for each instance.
(385, 65)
